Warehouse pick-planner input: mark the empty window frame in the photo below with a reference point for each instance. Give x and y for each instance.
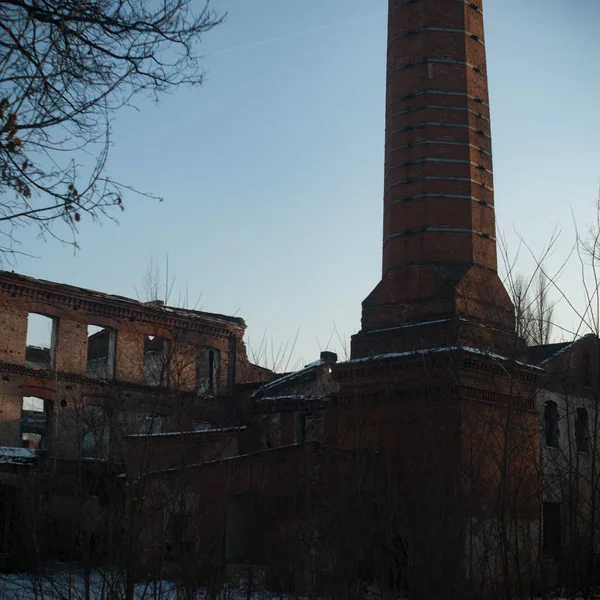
(41, 341)
(95, 435)
(551, 424)
(156, 360)
(207, 370)
(100, 352)
(35, 423)
(582, 430)
(271, 431)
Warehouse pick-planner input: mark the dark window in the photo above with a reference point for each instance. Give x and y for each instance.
(582, 430)
(245, 529)
(552, 535)
(156, 360)
(207, 369)
(266, 433)
(101, 352)
(551, 424)
(41, 341)
(35, 419)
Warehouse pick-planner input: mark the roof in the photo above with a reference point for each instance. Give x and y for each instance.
(542, 353)
(9, 277)
(307, 373)
(545, 352)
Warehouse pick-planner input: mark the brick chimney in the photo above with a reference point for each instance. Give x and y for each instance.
(439, 284)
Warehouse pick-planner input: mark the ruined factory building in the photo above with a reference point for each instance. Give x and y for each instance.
(434, 457)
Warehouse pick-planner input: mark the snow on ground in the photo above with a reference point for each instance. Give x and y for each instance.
(62, 584)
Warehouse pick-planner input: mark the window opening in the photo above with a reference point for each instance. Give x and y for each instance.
(582, 430)
(35, 420)
(95, 432)
(207, 371)
(156, 360)
(551, 424)
(100, 352)
(41, 341)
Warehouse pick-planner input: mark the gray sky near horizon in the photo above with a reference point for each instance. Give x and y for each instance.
(272, 171)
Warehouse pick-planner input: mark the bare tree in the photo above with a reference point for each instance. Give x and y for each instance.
(158, 285)
(66, 66)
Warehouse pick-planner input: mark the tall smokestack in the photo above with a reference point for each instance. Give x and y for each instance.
(439, 236)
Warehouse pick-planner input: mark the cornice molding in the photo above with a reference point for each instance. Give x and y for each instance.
(116, 307)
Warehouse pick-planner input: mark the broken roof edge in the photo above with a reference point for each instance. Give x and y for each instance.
(10, 277)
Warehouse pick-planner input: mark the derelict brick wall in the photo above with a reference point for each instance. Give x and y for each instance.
(68, 413)
(129, 363)
(71, 347)
(11, 400)
(13, 331)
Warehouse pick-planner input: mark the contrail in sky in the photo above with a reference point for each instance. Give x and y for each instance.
(294, 35)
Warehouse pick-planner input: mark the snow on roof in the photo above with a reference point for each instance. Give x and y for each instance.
(16, 456)
(316, 363)
(559, 352)
(200, 429)
(438, 351)
(288, 377)
(292, 397)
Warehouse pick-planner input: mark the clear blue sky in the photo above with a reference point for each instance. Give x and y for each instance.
(272, 171)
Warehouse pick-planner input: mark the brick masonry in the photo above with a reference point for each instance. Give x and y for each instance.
(439, 247)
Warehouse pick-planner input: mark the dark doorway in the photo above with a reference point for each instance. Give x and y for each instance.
(245, 529)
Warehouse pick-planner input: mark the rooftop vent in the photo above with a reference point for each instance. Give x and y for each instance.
(156, 303)
(329, 357)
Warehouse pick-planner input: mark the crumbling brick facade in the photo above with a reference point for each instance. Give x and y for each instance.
(125, 395)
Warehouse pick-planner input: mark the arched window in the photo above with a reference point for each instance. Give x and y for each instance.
(551, 425)
(582, 430)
